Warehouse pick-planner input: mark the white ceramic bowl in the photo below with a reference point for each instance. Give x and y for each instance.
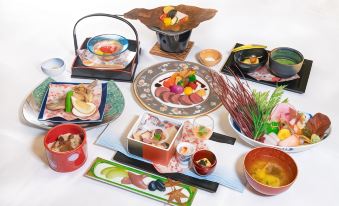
(255, 143)
(53, 67)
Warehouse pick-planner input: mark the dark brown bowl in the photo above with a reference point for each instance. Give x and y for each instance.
(243, 54)
(202, 170)
(285, 62)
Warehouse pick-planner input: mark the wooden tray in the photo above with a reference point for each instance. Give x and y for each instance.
(177, 56)
(297, 85)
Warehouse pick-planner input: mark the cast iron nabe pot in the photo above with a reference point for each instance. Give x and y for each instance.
(173, 42)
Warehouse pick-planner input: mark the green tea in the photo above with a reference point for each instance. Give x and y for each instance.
(285, 61)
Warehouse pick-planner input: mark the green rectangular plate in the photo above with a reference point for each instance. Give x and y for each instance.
(113, 173)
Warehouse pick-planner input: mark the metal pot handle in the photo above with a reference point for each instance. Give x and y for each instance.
(119, 17)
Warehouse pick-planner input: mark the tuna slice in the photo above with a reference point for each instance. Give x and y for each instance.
(160, 90)
(195, 98)
(185, 100)
(165, 96)
(175, 99)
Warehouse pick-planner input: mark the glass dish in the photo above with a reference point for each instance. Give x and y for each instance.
(97, 44)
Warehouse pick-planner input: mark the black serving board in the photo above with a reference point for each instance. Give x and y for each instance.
(124, 75)
(207, 185)
(297, 85)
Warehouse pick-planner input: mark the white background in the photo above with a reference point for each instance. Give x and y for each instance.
(33, 31)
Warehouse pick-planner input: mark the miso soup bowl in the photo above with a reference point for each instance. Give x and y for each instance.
(285, 62)
(70, 160)
(284, 160)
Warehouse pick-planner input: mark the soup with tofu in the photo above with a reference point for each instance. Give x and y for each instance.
(270, 171)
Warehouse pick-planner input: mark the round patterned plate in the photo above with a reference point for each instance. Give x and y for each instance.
(150, 79)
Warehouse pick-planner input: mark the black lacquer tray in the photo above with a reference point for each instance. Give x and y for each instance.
(126, 74)
(297, 85)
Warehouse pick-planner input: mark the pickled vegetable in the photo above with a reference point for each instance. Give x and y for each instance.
(68, 101)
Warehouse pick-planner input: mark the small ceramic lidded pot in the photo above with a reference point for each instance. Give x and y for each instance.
(66, 147)
(184, 152)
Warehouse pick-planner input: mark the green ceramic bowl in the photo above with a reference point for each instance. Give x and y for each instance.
(285, 62)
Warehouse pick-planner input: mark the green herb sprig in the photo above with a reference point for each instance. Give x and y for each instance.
(265, 104)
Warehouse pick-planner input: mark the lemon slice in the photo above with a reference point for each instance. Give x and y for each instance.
(83, 107)
(79, 114)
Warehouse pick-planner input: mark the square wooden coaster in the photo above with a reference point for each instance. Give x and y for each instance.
(177, 56)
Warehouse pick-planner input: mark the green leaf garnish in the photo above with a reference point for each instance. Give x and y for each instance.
(265, 104)
(157, 136)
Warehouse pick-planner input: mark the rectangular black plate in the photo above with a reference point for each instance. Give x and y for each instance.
(221, 138)
(124, 75)
(207, 185)
(297, 85)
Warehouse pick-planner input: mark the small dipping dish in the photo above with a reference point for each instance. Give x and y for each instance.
(184, 152)
(209, 57)
(243, 59)
(53, 67)
(285, 62)
(199, 167)
(107, 46)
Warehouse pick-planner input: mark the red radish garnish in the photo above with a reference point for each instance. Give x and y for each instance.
(108, 49)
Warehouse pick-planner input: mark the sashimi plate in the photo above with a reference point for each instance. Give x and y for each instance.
(147, 83)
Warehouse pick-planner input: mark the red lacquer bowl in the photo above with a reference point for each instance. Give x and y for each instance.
(199, 169)
(275, 156)
(70, 160)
